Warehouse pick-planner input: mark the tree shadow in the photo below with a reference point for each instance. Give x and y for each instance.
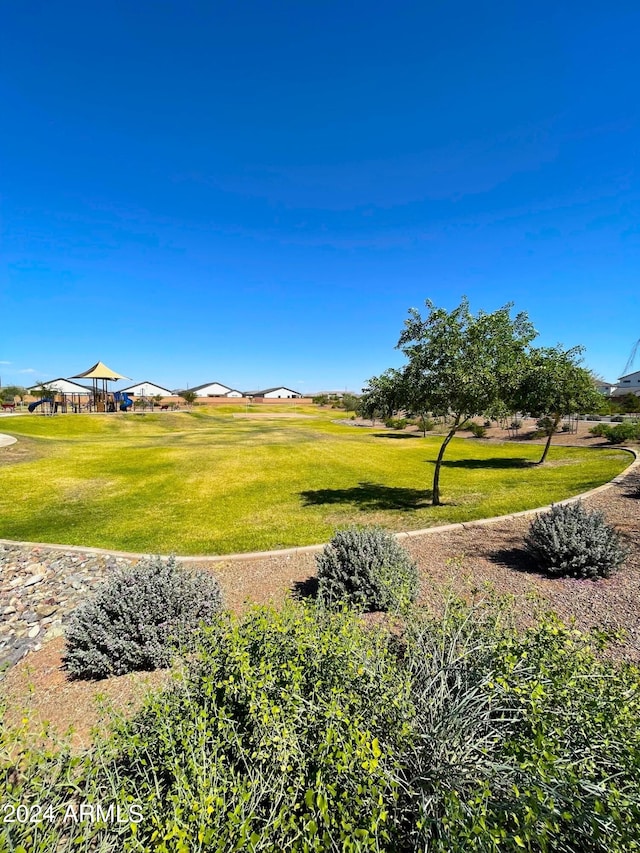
(496, 462)
(517, 559)
(633, 490)
(370, 496)
(305, 589)
(396, 435)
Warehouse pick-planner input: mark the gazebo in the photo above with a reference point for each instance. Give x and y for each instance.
(99, 372)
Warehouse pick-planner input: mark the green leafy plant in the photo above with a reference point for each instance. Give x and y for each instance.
(396, 423)
(478, 430)
(569, 541)
(305, 730)
(138, 618)
(283, 735)
(368, 568)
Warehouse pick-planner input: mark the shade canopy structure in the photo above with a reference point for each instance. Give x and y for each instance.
(100, 372)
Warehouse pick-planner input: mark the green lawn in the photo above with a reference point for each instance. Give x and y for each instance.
(218, 482)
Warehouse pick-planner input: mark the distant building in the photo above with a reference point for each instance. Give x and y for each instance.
(628, 384)
(146, 389)
(605, 388)
(62, 386)
(278, 393)
(215, 389)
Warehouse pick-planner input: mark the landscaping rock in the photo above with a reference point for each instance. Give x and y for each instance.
(40, 587)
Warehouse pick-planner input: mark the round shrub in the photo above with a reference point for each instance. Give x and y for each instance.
(138, 618)
(478, 430)
(366, 567)
(568, 541)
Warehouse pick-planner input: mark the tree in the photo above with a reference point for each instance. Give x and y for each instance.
(553, 385)
(43, 391)
(189, 397)
(383, 395)
(349, 402)
(10, 392)
(462, 364)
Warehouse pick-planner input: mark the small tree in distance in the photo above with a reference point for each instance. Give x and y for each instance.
(554, 385)
(189, 397)
(462, 364)
(383, 395)
(10, 392)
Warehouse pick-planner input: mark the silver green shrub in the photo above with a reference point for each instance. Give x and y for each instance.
(568, 541)
(367, 568)
(138, 618)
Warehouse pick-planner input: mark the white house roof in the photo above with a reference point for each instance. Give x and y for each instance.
(153, 385)
(270, 391)
(634, 377)
(63, 385)
(210, 385)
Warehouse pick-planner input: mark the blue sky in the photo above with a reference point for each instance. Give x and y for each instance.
(256, 192)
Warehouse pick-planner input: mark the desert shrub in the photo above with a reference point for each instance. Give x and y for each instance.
(628, 431)
(522, 740)
(423, 423)
(138, 618)
(569, 541)
(396, 423)
(305, 730)
(283, 736)
(368, 568)
(598, 430)
(478, 430)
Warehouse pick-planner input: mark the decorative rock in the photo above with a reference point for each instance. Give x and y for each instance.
(38, 589)
(29, 616)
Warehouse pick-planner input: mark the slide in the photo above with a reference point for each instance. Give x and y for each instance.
(124, 399)
(33, 406)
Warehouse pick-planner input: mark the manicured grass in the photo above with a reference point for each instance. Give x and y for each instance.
(219, 482)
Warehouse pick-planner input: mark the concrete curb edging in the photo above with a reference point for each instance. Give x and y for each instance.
(312, 549)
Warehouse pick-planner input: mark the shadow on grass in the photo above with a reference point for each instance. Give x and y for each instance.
(370, 496)
(396, 435)
(496, 462)
(517, 559)
(305, 589)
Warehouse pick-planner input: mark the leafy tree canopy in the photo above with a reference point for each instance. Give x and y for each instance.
(463, 364)
(10, 391)
(554, 385)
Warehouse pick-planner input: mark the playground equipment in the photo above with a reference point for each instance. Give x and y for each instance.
(101, 399)
(52, 404)
(123, 399)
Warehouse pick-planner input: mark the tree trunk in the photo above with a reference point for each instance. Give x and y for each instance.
(435, 498)
(556, 421)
